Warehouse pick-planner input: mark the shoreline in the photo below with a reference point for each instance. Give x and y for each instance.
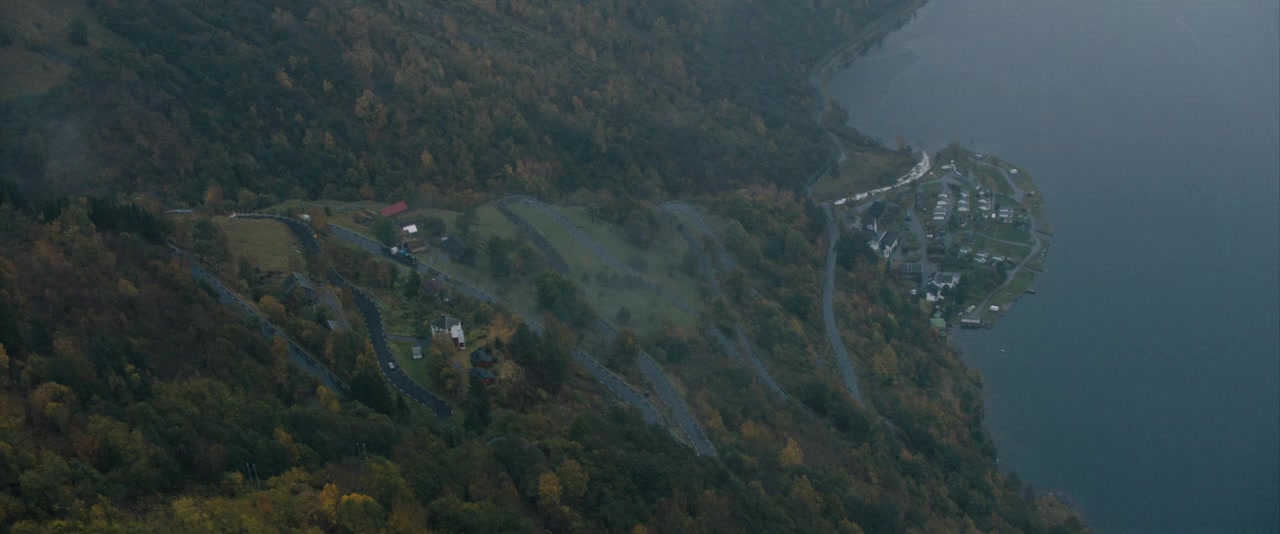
(819, 75)
(843, 55)
(846, 52)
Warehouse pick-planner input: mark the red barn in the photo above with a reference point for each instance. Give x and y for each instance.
(394, 209)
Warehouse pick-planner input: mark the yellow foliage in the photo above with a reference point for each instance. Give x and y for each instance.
(190, 516)
(573, 478)
(360, 513)
(802, 490)
(52, 402)
(329, 502)
(549, 489)
(327, 399)
(754, 433)
(272, 308)
(791, 455)
(126, 288)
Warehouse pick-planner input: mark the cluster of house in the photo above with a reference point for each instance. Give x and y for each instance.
(451, 328)
(883, 242)
(410, 239)
(982, 257)
(481, 363)
(943, 206)
(939, 284)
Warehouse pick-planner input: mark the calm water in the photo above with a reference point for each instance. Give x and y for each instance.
(1143, 380)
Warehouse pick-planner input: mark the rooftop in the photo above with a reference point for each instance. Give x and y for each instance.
(394, 209)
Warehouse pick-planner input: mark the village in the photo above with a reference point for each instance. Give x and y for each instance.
(968, 239)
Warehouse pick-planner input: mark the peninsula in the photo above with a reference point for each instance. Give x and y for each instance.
(967, 236)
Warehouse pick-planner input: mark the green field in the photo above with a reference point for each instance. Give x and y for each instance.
(1013, 290)
(660, 263)
(998, 248)
(861, 172)
(416, 369)
(1006, 232)
(265, 243)
(604, 287)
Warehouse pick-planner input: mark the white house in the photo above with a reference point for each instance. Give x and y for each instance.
(448, 326)
(888, 242)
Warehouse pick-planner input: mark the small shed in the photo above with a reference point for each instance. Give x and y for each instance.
(417, 352)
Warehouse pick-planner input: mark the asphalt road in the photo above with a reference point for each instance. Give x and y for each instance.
(679, 410)
(703, 228)
(606, 378)
(683, 416)
(727, 262)
(297, 354)
(378, 337)
(829, 314)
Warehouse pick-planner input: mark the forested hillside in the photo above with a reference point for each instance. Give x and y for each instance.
(131, 400)
(447, 101)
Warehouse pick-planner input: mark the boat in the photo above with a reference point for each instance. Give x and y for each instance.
(1031, 290)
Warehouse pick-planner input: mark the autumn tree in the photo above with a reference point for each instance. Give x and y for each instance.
(360, 513)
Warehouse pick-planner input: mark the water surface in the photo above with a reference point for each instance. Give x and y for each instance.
(1143, 381)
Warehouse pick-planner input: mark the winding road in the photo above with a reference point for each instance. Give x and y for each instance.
(378, 337)
(829, 315)
(700, 225)
(684, 416)
(679, 410)
(703, 228)
(369, 310)
(591, 245)
(297, 354)
(607, 378)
